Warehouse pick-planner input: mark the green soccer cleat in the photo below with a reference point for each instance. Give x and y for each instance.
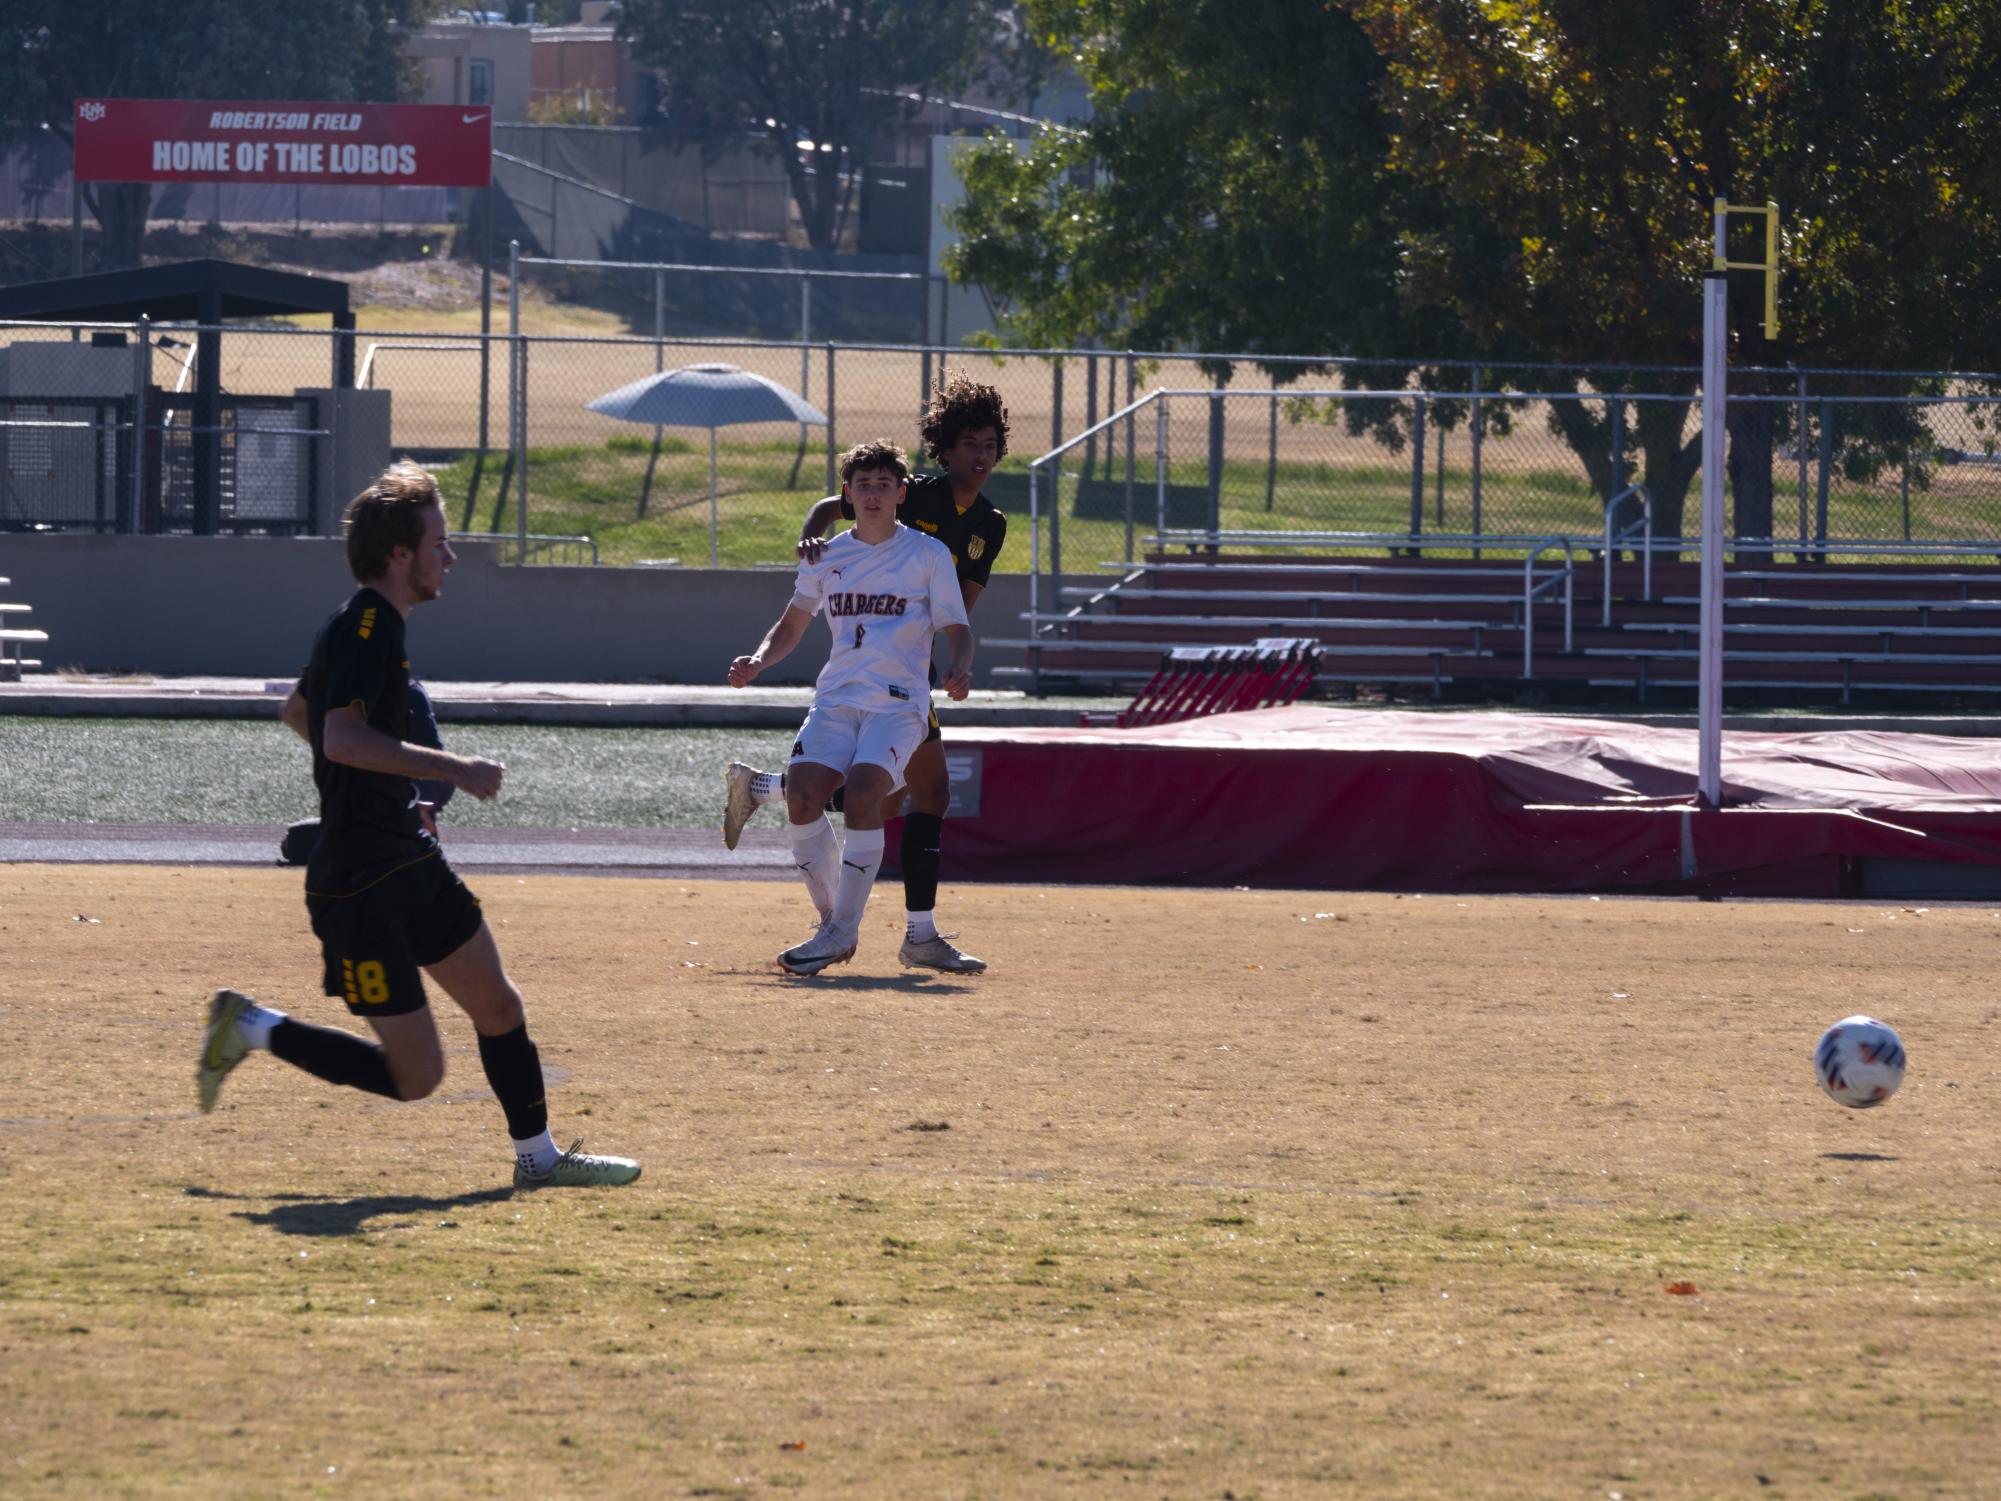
(577, 1168)
(222, 1045)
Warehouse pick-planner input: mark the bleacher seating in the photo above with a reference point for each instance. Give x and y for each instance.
(15, 639)
(1822, 633)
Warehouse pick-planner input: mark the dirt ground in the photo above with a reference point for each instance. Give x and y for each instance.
(1209, 1194)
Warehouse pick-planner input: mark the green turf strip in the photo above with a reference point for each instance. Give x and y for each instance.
(251, 772)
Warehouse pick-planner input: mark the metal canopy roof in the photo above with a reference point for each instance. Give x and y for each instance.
(183, 292)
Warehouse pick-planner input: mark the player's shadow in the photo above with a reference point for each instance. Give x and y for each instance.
(908, 984)
(307, 1214)
(1858, 1157)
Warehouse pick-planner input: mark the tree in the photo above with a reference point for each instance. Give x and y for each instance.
(1228, 193)
(1515, 180)
(818, 81)
(336, 50)
(1589, 142)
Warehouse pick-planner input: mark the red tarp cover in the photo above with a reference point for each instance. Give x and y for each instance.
(1324, 797)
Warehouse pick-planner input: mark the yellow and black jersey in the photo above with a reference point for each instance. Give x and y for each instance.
(974, 535)
(369, 822)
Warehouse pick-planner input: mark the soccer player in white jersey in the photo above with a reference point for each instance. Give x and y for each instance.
(886, 591)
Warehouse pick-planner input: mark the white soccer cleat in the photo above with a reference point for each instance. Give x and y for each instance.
(222, 1045)
(938, 952)
(830, 945)
(739, 803)
(577, 1168)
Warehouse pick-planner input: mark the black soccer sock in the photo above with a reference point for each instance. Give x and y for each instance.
(922, 833)
(335, 1056)
(514, 1069)
(838, 803)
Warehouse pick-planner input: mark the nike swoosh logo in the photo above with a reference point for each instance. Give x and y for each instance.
(472, 119)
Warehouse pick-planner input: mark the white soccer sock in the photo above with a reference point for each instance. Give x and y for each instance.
(922, 925)
(767, 787)
(537, 1154)
(255, 1025)
(861, 857)
(817, 852)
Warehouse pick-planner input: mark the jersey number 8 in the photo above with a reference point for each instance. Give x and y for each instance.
(371, 983)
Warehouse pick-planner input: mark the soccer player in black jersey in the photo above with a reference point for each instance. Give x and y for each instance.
(964, 428)
(383, 902)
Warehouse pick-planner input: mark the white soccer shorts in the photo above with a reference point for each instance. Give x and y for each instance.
(843, 738)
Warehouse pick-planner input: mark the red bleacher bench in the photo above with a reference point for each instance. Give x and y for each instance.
(1193, 681)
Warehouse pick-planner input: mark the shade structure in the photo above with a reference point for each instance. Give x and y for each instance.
(710, 396)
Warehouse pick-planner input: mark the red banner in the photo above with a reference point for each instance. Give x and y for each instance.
(190, 140)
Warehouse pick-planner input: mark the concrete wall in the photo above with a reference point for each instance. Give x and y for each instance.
(248, 607)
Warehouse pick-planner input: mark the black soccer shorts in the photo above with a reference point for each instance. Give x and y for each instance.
(377, 942)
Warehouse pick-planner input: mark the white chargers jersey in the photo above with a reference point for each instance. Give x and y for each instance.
(884, 602)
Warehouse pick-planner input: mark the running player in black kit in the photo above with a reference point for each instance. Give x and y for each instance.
(383, 902)
(965, 430)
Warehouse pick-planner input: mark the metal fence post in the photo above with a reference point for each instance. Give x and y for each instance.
(1160, 474)
(1438, 483)
(832, 478)
(1056, 532)
(805, 336)
(1617, 417)
(1826, 464)
(517, 438)
(1215, 469)
(521, 465)
(806, 352)
(141, 378)
(1034, 554)
(1478, 442)
(1271, 454)
(1799, 444)
(1056, 403)
(1417, 468)
(1131, 376)
(1090, 415)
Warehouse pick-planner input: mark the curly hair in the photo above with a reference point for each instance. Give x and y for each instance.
(961, 404)
(387, 515)
(880, 454)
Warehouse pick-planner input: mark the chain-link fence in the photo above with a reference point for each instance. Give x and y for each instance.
(1483, 453)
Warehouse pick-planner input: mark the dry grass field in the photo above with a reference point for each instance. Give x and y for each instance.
(1198, 1194)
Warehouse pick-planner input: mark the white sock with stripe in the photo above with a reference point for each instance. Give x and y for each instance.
(817, 853)
(861, 857)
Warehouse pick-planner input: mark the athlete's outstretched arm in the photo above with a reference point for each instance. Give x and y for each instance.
(351, 740)
(958, 679)
(813, 530)
(778, 641)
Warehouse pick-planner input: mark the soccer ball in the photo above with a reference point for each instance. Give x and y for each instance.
(1860, 1062)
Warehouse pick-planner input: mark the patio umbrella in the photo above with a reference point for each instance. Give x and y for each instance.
(710, 396)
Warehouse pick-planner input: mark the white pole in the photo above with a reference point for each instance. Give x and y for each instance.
(1709, 693)
(518, 407)
(712, 497)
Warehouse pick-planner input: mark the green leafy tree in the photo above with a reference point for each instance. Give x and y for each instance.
(1228, 193)
(335, 50)
(815, 79)
(1587, 144)
(1516, 180)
